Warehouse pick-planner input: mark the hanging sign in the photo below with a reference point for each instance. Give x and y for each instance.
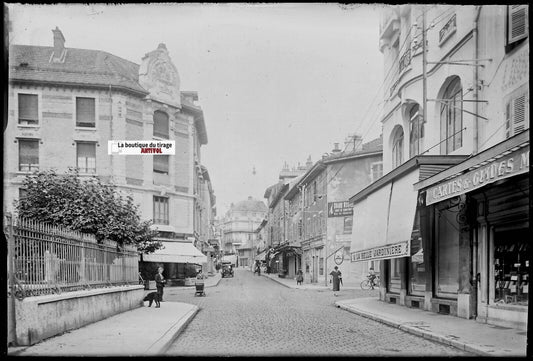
(339, 257)
(340, 209)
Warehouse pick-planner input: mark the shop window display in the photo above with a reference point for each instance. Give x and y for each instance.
(447, 253)
(511, 268)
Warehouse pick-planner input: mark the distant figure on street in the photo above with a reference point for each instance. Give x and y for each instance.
(336, 277)
(257, 268)
(200, 277)
(160, 283)
(372, 277)
(299, 277)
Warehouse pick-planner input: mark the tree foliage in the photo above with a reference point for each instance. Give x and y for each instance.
(87, 205)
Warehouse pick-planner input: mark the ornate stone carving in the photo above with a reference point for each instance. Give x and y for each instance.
(159, 76)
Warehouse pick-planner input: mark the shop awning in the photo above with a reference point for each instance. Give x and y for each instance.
(383, 220)
(176, 252)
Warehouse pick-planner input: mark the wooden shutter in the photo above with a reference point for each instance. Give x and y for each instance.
(161, 125)
(87, 157)
(519, 113)
(28, 109)
(518, 23)
(161, 163)
(28, 155)
(85, 112)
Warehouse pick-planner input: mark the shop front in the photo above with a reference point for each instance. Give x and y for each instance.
(478, 212)
(387, 229)
(180, 261)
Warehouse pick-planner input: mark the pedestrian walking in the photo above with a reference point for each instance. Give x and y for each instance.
(336, 277)
(299, 277)
(160, 283)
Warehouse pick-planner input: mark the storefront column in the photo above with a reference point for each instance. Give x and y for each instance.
(383, 271)
(464, 309)
(404, 264)
(426, 231)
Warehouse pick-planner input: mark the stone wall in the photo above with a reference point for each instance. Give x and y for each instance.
(38, 318)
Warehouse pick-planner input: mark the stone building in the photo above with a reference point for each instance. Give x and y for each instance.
(238, 227)
(65, 104)
(449, 220)
(320, 216)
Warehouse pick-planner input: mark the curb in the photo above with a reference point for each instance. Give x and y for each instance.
(278, 282)
(416, 331)
(163, 343)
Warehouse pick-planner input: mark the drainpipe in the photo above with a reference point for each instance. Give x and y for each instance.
(476, 81)
(111, 127)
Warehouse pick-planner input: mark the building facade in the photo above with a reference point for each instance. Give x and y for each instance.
(320, 216)
(239, 236)
(456, 158)
(65, 104)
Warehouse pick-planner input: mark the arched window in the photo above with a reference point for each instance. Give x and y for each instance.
(161, 125)
(416, 130)
(397, 148)
(451, 117)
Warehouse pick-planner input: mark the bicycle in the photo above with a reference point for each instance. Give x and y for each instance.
(368, 284)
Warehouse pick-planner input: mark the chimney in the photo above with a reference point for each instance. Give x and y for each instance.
(336, 148)
(309, 162)
(58, 55)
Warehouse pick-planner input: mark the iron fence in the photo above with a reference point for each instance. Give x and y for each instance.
(47, 259)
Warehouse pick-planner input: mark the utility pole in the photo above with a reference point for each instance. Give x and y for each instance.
(424, 76)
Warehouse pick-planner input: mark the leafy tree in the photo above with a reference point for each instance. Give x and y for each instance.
(87, 205)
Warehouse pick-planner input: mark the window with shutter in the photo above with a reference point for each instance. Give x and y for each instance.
(28, 109)
(28, 155)
(86, 157)
(518, 23)
(517, 115)
(376, 171)
(161, 129)
(161, 164)
(85, 112)
(161, 210)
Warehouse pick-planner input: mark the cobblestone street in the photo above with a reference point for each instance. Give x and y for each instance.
(251, 315)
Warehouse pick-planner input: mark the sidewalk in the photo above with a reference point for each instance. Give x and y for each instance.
(291, 283)
(468, 335)
(144, 331)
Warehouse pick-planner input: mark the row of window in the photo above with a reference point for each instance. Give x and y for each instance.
(451, 122)
(28, 114)
(85, 157)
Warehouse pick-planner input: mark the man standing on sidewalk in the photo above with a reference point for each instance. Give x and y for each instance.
(160, 283)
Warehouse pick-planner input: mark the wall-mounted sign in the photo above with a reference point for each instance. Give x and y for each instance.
(339, 257)
(340, 209)
(507, 166)
(389, 251)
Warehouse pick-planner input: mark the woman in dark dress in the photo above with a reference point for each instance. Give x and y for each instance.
(160, 283)
(336, 277)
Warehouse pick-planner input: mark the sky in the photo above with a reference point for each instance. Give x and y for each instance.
(277, 82)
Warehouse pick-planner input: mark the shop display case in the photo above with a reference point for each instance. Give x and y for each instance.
(511, 270)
